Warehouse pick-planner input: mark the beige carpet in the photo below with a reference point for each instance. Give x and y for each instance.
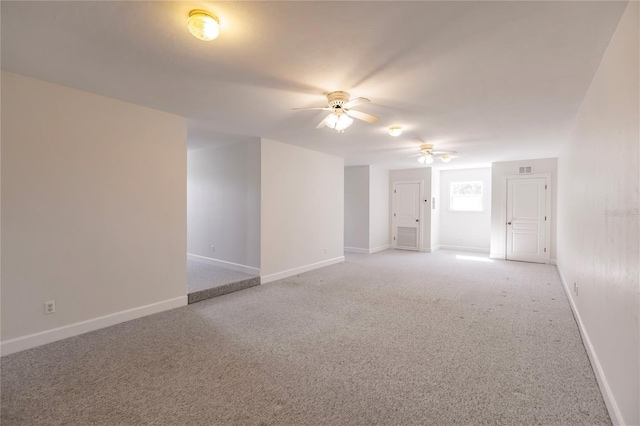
(395, 338)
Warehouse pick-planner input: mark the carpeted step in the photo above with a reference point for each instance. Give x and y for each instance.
(223, 289)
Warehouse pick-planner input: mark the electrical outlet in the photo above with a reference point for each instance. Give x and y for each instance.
(50, 307)
(213, 249)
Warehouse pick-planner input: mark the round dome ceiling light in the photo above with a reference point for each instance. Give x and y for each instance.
(203, 25)
(395, 130)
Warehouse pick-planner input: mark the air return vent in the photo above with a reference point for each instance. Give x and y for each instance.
(525, 170)
(407, 237)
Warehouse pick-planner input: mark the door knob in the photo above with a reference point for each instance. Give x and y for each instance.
(508, 223)
(417, 220)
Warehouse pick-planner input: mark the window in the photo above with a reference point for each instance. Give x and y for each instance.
(465, 196)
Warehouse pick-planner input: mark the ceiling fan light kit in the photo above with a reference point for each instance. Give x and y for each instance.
(342, 112)
(203, 25)
(395, 130)
(427, 153)
(425, 159)
(338, 122)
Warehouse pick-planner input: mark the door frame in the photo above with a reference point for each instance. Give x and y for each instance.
(394, 224)
(547, 223)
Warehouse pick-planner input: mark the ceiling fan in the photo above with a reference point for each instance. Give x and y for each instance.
(427, 153)
(342, 111)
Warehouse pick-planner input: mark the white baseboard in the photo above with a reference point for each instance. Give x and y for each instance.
(224, 264)
(464, 248)
(290, 272)
(430, 249)
(356, 250)
(607, 395)
(366, 251)
(42, 338)
(380, 248)
(501, 256)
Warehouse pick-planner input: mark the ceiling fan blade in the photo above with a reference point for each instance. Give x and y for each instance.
(363, 116)
(414, 155)
(322, 108)
(444, 152)
(356, 101)
(321, 124)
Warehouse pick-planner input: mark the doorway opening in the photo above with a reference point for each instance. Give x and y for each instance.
(223, 218)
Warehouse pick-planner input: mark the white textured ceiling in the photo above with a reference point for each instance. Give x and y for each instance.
(494, 81)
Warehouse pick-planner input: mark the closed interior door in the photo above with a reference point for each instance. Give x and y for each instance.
(406, 215)
(526, 217)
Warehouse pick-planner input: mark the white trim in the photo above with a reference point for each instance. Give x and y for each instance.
(464, 248)
(48, 336)
(356, 250)
(428, 249)
(605, 390)
(224, 264)
(379, 248)
(553, 262)
(496, 256)
(366, 251)
(290, 272)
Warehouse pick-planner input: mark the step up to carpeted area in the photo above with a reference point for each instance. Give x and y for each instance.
(205, 281)
(223, 289)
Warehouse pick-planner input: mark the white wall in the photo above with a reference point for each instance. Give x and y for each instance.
(356, 208)
(223, 203)
(93, 210)
(499, 200)
(423, 175)
(436, 195)
(302, 224)
(465, 230)
(598, 173)
(379, 209)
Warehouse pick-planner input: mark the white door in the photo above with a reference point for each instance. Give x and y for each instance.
(406, 215)
(526, 217)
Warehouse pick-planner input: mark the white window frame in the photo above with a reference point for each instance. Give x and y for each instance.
(481, 195)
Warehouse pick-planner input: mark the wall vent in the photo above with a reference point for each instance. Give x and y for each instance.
(525, 170)
(407, 237)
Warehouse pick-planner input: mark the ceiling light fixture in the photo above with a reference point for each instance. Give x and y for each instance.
(395, 130)
(427, 153)
(426, 159)
(338, 121)
(203, 25)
